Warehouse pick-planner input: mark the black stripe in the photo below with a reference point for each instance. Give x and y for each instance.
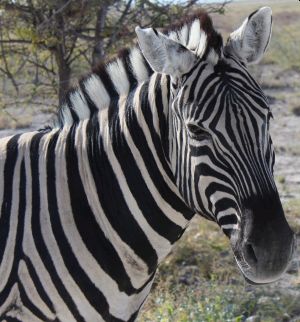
(196, 80)
(30, 305)
(152, 213)
(36, 223)
(228, 220)
(146, 64)
(9, 168)
(91, 105)
(92, 235)
(22, 209)
(117, 212)
(140, 141)
(224, 204)
(37, 283)
(128, 68)
(106, 81)
(71, 108)
(217, 187)
(18, 253)
(10, 319)
(81, 215)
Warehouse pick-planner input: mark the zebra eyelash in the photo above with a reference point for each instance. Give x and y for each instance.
(197, 132)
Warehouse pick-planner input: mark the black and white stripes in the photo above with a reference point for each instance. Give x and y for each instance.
(92, 205)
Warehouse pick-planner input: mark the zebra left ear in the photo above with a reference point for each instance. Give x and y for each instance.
(251, 40)
(165, 55)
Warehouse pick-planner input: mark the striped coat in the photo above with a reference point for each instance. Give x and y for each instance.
(91, 205)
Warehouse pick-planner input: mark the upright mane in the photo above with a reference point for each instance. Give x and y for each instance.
(196, 32)
(118, 76)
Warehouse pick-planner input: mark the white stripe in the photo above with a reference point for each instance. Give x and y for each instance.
(202, 44)
(146, 130)
(229, 211)
(8, 258)
(151, 100)
(97, 92)
(31, 291)
(138, 65)
(11, 298)
(66, 115)
(137, 272)
(166, 208)
(161, 245)
(83, 306)
(121, 305)
(183, 35)
(230, 226)
(118, 75)
(29, 248)
(194, 35)
(80, 105)
(3, 150)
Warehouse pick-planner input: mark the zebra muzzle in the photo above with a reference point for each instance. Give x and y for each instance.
(264, 245)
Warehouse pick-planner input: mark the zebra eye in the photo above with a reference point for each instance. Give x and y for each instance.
(197, 132)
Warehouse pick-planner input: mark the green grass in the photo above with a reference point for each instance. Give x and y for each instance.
(210, 302)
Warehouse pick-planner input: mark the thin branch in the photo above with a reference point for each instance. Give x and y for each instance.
(119, 24)
(81, 35)
(35, 63)
(6, 69)
(81, 52)
(54, 14)
(15, 41)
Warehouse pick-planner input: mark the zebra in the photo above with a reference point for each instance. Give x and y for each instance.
(172, 128)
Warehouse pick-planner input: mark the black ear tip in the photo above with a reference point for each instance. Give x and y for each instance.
(252, 14)
(264, 10)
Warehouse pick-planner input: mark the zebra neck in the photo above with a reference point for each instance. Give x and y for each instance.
(134, 168)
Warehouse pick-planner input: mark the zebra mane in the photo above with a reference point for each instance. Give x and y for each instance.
(117, 77)
(196, 32)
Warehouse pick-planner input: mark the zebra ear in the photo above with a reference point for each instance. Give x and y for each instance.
(164, 55)
(251, 40)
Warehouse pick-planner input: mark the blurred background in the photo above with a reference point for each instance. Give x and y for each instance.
(44, 48)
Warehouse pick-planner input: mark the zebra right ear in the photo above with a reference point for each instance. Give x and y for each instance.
(165, 55)
(251, 40)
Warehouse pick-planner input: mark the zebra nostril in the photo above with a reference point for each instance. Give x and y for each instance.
(249, 253)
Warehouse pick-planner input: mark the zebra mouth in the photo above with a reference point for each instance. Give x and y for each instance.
(254, 283)
(246, 271)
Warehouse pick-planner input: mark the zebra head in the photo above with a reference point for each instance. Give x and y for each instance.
(219, 139)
